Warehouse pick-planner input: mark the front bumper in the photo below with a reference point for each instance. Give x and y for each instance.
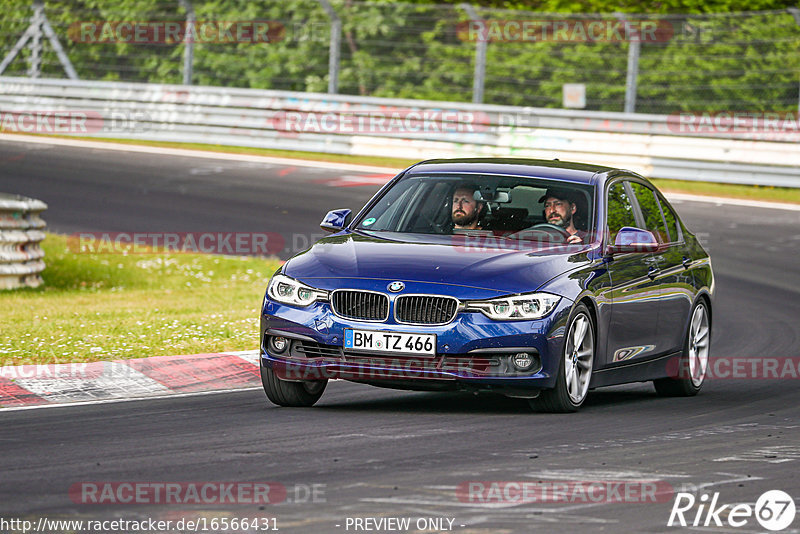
(473, 352)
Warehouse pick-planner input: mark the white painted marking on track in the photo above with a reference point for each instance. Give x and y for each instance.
(678, 197)
(392, 435)
(240, 352)
(736, 479)
(777, 454)
(129, 399)
(205, 171)
(250, 356)
(354, 180)
(184, 152)
(721, 201)
(505, 507)
(117, 379)
(600, 474)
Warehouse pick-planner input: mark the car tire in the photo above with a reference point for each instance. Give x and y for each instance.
(575, 366)
(292, 394)
(693, 362)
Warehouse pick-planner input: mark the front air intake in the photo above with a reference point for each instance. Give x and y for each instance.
(425, 309)
(360, 305)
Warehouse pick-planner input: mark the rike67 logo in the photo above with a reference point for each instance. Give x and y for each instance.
(774, 510)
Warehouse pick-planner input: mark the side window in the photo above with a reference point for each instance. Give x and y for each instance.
(620, 210)
(650, 210)
(672, 220)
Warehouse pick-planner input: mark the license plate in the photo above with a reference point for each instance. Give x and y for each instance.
(396, 342)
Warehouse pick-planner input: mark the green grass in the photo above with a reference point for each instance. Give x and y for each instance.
(752, 192)
(113, 306)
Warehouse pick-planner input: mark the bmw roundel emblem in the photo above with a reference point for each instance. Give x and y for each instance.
(396, 287)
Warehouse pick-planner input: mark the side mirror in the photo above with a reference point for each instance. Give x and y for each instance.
(633, 240)
(336, 220)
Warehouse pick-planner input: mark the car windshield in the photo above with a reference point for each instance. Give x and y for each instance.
(515, 208)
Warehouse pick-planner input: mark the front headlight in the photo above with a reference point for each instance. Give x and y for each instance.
(520, 307)
(289, 291)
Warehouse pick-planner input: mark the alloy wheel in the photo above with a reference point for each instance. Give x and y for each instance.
(698, 345)
(579, 357)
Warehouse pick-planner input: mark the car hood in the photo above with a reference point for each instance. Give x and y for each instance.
(451, 260)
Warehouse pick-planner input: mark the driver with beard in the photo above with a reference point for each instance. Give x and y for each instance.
(466, 210)
(559, 209)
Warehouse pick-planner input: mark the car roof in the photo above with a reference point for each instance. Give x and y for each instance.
(540, 168)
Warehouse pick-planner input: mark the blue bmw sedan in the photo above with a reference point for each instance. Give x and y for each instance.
(528, 278)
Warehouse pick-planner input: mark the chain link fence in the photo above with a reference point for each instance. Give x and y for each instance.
(611, 62)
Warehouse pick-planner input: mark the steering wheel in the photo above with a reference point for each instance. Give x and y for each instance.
(437, 227)
(552, 229)
(555, 232)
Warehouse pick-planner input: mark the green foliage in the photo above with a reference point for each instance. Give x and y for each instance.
(706, 62)
(650, 211)
(720, 64)
(620, 210)
(626, 6)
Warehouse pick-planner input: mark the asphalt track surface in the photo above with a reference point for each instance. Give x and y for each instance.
(385, 453)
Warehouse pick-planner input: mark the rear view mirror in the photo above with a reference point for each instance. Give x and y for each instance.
(499, 196)
(631, 239)
(336, 220)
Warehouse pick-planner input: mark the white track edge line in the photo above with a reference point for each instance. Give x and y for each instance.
(126, 399)
(733, 201)
(331, 165)
(198, 153)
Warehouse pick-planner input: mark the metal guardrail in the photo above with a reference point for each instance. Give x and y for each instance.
(21, 231)
(654, 145)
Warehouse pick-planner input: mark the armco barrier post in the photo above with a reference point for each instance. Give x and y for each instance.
(334, 47)
(632, 76)
(479, 76)
(795, 12)
(188, 41)
(21, 231)
(35, 68)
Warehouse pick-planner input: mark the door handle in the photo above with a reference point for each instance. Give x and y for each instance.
(687, 261)
(652, 272)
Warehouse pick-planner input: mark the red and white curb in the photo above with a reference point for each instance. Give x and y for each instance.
(41, 385)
